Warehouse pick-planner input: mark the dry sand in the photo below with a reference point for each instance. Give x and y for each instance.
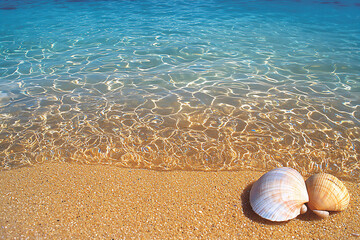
(62, 201)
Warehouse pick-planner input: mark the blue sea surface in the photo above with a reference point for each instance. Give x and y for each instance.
(192, 85)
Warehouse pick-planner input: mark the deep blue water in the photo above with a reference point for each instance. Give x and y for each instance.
(182, 84)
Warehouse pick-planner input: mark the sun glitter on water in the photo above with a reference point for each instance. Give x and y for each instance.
(193, 86)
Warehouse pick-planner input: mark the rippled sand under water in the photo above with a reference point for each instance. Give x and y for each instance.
(195, 87)
(208, 129)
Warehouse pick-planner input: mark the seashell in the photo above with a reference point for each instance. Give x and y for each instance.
(326, 193)
(279, 195)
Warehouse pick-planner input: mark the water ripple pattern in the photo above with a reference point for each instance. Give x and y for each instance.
(193, 85)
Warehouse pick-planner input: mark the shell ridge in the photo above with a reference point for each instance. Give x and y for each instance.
(326, 193)
(279, 194)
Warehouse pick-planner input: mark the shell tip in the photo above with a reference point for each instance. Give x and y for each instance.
(322, 214)
(303, 209)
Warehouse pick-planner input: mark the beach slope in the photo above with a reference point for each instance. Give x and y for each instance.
(62, 201)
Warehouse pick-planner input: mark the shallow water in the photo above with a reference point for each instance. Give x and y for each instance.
(200, 85)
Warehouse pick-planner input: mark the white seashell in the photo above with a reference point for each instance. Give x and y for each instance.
(326, 193)
(279, 195)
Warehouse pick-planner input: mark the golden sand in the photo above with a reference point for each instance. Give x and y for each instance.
(62, 201)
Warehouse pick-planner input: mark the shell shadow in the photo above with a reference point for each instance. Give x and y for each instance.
(311, 216)
(308, 216)
(249, 212)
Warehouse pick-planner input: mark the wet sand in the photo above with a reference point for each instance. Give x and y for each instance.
(62, 201)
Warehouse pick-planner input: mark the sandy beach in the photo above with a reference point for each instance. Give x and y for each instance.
(63, 201)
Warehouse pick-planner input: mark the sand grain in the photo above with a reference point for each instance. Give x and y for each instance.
(87, 201)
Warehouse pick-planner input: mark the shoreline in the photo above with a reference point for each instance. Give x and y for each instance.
(63, 200)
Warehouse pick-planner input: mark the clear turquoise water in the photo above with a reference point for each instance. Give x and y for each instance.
(195, 85)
